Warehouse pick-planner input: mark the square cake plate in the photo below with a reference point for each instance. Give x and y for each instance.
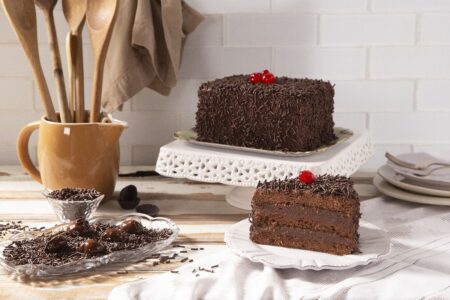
(182, 159)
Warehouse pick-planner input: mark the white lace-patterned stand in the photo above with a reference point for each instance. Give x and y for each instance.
(181, 159)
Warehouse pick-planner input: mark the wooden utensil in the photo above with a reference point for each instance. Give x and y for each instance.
(71, 54)
(75, 13)
(100, 16)
(22, 16)
(47, 7)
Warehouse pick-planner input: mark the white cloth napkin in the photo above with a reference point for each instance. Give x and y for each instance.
(418, 267)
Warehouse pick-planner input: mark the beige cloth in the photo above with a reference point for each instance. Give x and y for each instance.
(146, 48)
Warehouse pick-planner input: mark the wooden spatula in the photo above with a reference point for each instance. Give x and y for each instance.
(75, 13)
(100, 17)
(47, 7)
(22, 16)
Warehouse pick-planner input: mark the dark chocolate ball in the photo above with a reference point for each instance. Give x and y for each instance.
(131, 226)
(112, 234)
(128, 197)
(56, 244)
(91, 246)
(79, 227)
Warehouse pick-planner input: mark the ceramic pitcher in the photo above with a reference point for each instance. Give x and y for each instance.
(73, 154)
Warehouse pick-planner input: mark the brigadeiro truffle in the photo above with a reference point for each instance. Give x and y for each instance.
(91, 246)
(131, 226)
(112, 234)
(128, 197)
(56, 244)
(80, 227)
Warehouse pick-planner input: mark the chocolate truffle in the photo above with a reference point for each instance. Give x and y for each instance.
(91, 246)
(112, 234)
(131, 226)
(56, 244)
(128, 197)
(79, 227)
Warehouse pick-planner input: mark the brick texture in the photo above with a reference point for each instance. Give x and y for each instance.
(389, 61)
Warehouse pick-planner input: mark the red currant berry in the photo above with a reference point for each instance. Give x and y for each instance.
(268, 78)
(265, 72)
(306, 177)
(256, 78)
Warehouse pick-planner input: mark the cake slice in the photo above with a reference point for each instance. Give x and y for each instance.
(312, 213)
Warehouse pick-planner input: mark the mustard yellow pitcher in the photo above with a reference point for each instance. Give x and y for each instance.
(74, 154)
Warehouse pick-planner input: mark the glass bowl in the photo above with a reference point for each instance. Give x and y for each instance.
(123, 256)
(71, 210)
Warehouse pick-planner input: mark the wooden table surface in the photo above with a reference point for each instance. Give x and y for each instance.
(198, 208)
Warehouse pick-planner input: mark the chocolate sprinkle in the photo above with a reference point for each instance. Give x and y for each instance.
(74, 194)
(288, 115)
(325, 185)
(35, 251)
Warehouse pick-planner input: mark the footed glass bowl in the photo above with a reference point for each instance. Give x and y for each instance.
(70, 210)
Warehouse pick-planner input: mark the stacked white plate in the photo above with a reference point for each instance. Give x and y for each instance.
(405, 184)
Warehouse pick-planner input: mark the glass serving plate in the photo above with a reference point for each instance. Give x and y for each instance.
(342, 134)
(129, 256)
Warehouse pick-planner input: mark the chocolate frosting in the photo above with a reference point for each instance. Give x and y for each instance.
(288, 115)
(325, 185)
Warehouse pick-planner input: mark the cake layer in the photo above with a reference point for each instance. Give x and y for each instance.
(299, 216)
(288, 115)
(342, 205)
(329, 192)
(303, 239)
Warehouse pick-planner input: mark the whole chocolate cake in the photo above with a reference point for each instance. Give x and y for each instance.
(318, 214)
(286, 114)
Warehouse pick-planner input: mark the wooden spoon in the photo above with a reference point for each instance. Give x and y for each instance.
(75, 13)
(47, 7)
(100, 16)
(71, 53)
(22, 16)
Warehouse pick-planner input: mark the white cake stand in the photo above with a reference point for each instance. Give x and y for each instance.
(181, 159)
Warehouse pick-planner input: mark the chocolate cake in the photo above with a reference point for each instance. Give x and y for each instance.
(287, 114)
(319, 215)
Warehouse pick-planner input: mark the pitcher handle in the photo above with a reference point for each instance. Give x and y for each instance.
(24, 153)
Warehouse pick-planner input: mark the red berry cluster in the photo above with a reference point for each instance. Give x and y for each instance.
(306, 177)
(265, 77)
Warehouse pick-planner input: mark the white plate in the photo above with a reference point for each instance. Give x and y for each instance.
(439, 179)
(390, 190)
(190, 135)
(374, 243)
(391, 176)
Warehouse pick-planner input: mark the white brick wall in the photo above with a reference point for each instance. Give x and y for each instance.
(389, 60)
